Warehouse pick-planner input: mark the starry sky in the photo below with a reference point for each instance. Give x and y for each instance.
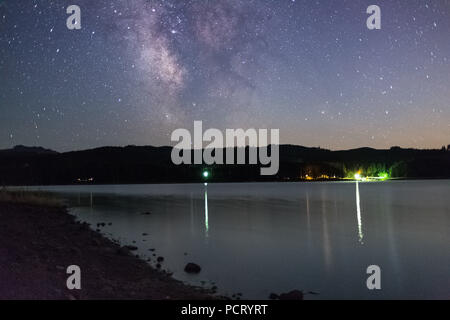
(138, 69)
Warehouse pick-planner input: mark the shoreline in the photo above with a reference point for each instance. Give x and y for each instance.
(38, 243)
(225, 182)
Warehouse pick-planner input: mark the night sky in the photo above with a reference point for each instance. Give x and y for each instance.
(139, 69)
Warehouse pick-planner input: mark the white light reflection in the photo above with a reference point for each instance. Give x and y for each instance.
(358, 215)
(206, 211)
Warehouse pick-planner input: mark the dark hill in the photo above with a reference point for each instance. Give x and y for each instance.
(145, 164)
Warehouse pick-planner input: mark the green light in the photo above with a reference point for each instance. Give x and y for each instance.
(383, 175)
(205, 174)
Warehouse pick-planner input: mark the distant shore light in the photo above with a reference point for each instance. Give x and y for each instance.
(383, 176)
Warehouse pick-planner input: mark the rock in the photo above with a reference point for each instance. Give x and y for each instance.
(123, 252)
(158, 266)
(192, 268)
(131, 248)
(71, 297)
(292, 295)
(145, 234)
(160, 259)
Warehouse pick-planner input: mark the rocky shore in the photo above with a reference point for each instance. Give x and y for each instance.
(38, 243)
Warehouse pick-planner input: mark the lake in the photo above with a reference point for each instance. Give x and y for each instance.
(259, 238)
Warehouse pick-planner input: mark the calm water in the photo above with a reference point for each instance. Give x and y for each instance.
(258, 238)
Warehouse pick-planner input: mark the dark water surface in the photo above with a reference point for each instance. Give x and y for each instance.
(258, 238)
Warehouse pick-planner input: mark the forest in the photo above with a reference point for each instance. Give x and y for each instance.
(146, 164)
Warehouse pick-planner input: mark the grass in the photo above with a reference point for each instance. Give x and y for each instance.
(37, 198)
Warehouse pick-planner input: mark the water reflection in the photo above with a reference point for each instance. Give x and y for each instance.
(358, 214)
(308, 221)
(259, 227)
(206, 211)
(191, 206)
(326, 236)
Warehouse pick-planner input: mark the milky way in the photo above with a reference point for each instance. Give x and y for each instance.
(139, 69)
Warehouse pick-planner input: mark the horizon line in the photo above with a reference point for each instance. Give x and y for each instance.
(246, 146)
